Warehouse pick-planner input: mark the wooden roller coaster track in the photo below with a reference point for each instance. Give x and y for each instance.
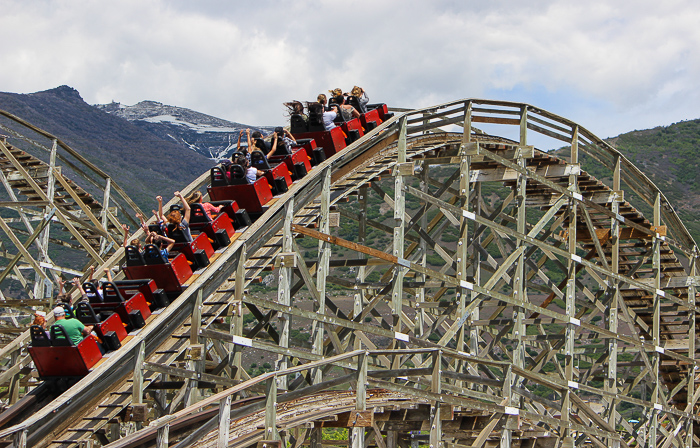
(431, 287)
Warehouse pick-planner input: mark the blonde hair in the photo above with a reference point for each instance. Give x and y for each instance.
(322, 98)
(336, 92)
(136, 243)
(194, 197)
(356, 91)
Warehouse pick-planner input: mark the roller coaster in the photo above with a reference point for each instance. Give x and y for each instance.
(459, 287)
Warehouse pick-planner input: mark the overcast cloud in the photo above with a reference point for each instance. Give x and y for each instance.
(610, 66)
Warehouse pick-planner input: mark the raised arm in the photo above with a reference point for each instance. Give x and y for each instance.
(161, 216)
(126, 235)
(169, 241)
(289, 135)
(77, 284)
(249, 140)
(274, 145)
(142, 220)
(185, 206)
(108, 273)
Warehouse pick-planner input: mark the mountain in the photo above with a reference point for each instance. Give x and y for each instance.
(142, 162)
(670, 157)
(211, 137)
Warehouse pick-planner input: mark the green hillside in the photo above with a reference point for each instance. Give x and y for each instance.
(670, 157)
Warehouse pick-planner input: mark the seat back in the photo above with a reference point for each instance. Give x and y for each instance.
(198, 215)
(237, 175)
(155, 228)
(134, 257)
(85, 314)
(315, 123)
(152, 255)
(262, 145)
(218, 178)
(110, 293)
(40, 338)
(91, 292)
(355, 102)
(68, 309)
(259, 161)
(298, 124)
(59, 337)
(176, 233)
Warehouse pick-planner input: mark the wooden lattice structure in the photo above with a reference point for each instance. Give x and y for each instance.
(484, 294)
(52, 228)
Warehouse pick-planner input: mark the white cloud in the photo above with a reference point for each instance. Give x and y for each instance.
(611, 66)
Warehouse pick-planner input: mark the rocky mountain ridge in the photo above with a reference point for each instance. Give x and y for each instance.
(209, 136)
(143, 163)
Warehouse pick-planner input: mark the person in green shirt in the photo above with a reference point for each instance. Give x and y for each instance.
(75, 330)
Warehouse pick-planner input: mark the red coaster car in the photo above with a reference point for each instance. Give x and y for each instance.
(56, 356)
(314, 154)
(352, 128)
(296, 158)
(382, 110)
(133, 311)
(170, 275)
(331, 141)
(108, 326)
(250, 196)
(277, 174)
(219, 230)
(155, 297)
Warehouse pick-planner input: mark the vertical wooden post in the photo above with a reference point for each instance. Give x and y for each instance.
(359, 296)
(43, 241)
(570, 306)
(163, 436)
(236, 323)
(137, 385)
(14, 381)
(436, 387)
(324, 256)
(656, 335)
(20, 439)
(392, 439)
(316, 438)
(271, 410)
(224, 422)
(475, 258)
(198, 363)
(611, 317)
(358, 434)
(398, 237)
(284, 286)
(105, 212)
(114, 431)
(423, 245)
(463, 242)
(692, 369)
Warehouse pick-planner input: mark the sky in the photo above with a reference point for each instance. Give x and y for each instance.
(610, 66)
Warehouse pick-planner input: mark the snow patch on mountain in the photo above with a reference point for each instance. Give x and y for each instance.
(210, 136)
